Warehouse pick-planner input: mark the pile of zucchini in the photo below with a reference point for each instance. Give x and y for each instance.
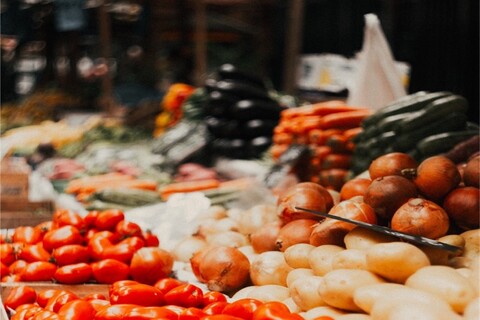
(240, 113)
(421, 124)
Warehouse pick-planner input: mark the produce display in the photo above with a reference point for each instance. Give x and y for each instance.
(422, 124)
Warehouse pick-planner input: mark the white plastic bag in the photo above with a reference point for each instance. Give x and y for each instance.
(377, 81)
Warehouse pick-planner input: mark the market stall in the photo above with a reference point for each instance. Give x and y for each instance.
(234, 200)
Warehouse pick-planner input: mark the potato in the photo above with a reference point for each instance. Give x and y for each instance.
(350, 259)
(471, 237)
(354, 316)
(297, 255)
(322, 311)
(298, 273)
(444, 282)
(339, 285)
(321, 257)
(472, 311)
(304, 292)
(243, 293)
(395, 261)
(365, 296)
(412, 304)
(292, 306)
(269, 292)
(362, 239)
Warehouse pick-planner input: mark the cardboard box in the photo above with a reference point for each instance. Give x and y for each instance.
(14, 175)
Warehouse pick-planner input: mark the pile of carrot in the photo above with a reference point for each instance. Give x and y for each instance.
(84, 187)
(328, 128)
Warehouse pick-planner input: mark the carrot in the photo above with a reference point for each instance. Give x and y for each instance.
(307, 123)
(133, 184)
(338, 143)
(277, 150)
(319, 136)
(318, 109)
(75, 185)
(352, 133)
(283, 138)
(188, 186)
(344, 120)
(321, 152)
(337, 161)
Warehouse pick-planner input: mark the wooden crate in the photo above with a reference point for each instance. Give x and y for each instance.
(24, 213)
(80, 290)
(14, 174)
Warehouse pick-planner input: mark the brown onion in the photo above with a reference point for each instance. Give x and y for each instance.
(264, 239)
(296, 231)
(471, 172)
(435, 177)
(354, 187)
(386, 194)
(391, 164)
(421, 217)
(462, 206)
(307, 195)
(224, 269)
(332, 232)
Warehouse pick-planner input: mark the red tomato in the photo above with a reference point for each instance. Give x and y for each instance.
(45, 226)
(114, 312)
(213, 296)
(243, 308)
(93, 296)
(12, 278)
(124, 250)
(46, 315)
(77, 310)
(108, 219)
(150, 264)
(70, 254)
(222, 317)
(186, 295)
(109, 271)
(44, 295)
(147, 313)
(140, 294)
(5, 270)
(34, 252)
(191, 314)
(99, 304)
(60, 299)
(74, 273)
(151, 240)
(26, 311)
(62, 236)
(39, 271)
(128, 229)
(167, 284)
(20, 295)
(118, 284)
(90, 218)
(17, 267)
(215, 307)
(7, 253)
(274, 310)
(98, 243)
(27, 234)
(65, 217)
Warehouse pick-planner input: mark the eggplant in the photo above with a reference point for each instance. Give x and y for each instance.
(242, 89)
(225, 128)
(219, 104)
(258, 127)
(248, 109)
(259, 145)
(229, 71)
(232, 148)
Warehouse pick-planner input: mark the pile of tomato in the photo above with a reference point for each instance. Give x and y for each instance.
(100, 247)
(167, 299)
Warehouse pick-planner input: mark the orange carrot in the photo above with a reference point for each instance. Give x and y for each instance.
(352, 133)
(321, 152)
(277, 150)
(283, 138)
(318, 109)
(75, 185)
(188, 186)
(344, 120)
(338, 143)
(337, 161)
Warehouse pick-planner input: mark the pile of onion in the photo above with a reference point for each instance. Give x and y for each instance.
(391, 164)
(462, 206)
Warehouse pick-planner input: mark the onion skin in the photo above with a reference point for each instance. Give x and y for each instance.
(391, 164)
(471, 172)
(421, 217)
(296, 231)
(354, 187)
(386, 194)
(264, 239)
(224, 269)
(307, 195)
(462, 206)
(436, 176)
(331, 231)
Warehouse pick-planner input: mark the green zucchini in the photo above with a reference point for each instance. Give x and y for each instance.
(408, 140)
(128, 196)
(414, 102)
(443, 142)
(434, 111)
(391, 122)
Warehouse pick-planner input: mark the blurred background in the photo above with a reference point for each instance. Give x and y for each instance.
(130, 51)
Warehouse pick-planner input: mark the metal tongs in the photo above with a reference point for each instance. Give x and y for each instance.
(381, 229)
